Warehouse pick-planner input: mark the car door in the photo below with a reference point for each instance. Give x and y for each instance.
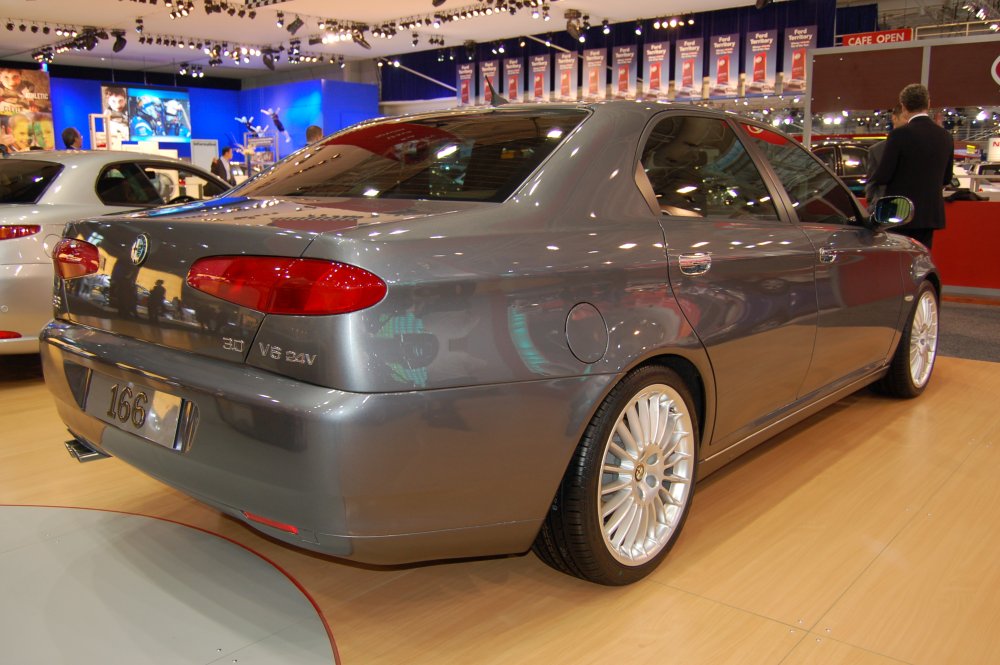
(742, 274)
(859, 280)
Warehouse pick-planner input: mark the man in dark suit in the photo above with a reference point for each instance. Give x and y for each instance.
(873, 193)
(917, 164)
(221, 168)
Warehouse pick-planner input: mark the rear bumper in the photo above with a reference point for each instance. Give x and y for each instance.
(25, 304)
(380, 478)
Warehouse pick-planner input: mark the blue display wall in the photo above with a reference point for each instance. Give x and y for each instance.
(329, 104)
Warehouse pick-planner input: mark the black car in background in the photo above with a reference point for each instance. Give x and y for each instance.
(849, 161)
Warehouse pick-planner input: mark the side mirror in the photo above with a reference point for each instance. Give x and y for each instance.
(890, 212)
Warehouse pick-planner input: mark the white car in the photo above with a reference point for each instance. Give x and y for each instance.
(42, 190)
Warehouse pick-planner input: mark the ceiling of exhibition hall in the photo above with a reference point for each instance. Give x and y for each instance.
(30, 27)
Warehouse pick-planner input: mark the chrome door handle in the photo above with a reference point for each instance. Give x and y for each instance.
(827, 255)
(695, 264)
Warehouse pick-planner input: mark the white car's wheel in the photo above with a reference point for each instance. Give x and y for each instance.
(628, 489)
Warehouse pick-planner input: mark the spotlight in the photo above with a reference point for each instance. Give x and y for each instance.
(437, 3)
(638, 28)
(294, 26)
(120, 41)
(138, 25)
(358, 37)
(605, 28)
(281, 20)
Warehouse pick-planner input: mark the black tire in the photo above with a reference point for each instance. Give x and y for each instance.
(920, 335)
(575, 538)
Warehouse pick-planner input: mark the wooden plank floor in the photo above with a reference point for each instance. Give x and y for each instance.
(868, 534)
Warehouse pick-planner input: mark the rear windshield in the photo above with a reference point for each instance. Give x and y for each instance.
(479, 156)
(24, 180)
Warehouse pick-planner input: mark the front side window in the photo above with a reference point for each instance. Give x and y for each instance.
(698, 168)
(817, 196)
(126, 184)
(25, 180)
(482, 156)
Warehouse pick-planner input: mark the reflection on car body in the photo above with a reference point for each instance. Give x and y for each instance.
(40, 191)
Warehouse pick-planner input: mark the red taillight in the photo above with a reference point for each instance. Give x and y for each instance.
(9, 232)
(279, 285)
(290, 528)
(9, 334)
(75, 258)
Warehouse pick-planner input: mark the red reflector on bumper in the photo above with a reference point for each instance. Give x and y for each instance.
(272, 523)
(12, 231)
(9, 334)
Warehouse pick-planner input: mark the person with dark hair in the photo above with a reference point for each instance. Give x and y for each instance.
(917, 163)
(313, 133)
(72, 139)
(873, 193)
(222, 168)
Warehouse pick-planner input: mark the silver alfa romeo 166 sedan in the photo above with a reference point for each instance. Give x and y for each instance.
(482, 331)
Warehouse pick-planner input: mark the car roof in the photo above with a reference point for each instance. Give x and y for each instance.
(93, 157)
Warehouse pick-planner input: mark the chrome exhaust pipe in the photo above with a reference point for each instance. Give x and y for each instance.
(81, 452)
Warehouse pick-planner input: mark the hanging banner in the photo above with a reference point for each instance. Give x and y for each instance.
(25, 110)
(761, 53)
(465, 75)
(625, 65)
(539, 67)
(513, 76)
(798, 41)
(595, 78)
(724, 63)
(566, 75)
(488, 70)
(688, 75)
(656, 60)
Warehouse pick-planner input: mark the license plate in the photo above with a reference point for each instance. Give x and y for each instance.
(135, 408)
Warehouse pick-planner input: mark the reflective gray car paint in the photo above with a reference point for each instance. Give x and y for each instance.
(411, 431)
(347, 466)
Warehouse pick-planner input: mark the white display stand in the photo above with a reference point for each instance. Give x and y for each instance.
(204, 152)
(260, 152)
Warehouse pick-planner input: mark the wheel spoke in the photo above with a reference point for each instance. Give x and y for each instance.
(632, 418)
(623, 524)
(644, 422)
(612, 505)
(664, 419)
(631, 448)
(668, 498)
(620, 468)
(616, 485)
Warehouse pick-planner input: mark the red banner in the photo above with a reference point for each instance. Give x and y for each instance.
(880, 37)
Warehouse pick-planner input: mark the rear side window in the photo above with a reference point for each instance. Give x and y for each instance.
(855, 161)
(465, 157)
(24, 181)
(126, 184)
(698, 168)
(178, 185)
(817, 196)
